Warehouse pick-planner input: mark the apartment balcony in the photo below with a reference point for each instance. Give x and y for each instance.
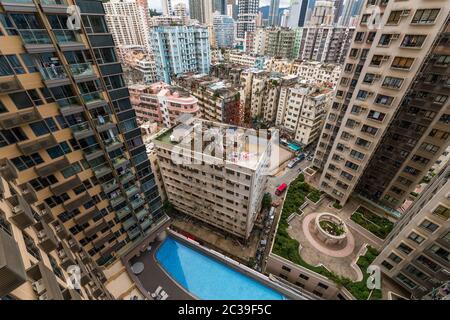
(136, 203)
(69, 106)
(123, 212)
(68, 40)
(104, 123)
(22, 216)
(9, 84)
(54, 76)
(117, 200)
(45, 213)
(96, 290)
(81, 130)
(44, 282)
(112, 143)
(61, 230)
(102, 170)
(92, 152)
(141, 214)
(132, 191)
(7, 170)
(12, 269)
(126, 176)
(126, 225)
(106, 253)
(119, 161)
(31, 146)
(46, 238)
(36, 40)
(18, 5)
(83, 218)
(15, 119)
(62, 187)
(54, 6)
(78, 202)
(99, 243)
(28, 193)
(93, 99)
(46, 169)
(73, 245)
(133, 234)
(146, 224)
(110, 185)
(83, 71)
(89, 232)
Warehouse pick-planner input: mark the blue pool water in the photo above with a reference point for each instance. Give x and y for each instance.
(208, 279)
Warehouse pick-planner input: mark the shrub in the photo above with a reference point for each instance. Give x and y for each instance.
(314, 195)
(337, 205)
(377, 225)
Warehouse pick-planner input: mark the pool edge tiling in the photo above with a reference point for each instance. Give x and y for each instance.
(207, 278)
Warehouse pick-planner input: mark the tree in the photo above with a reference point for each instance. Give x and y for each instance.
(267, 200)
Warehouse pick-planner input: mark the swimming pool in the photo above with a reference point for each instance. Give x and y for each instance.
(207, 278)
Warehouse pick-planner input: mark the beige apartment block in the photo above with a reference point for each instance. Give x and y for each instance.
(389, 119)
(301, 110)
(416, 254)
(222, 186)
(35, 256)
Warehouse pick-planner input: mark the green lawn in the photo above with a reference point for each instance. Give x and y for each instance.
(287, 247)
(377, 225)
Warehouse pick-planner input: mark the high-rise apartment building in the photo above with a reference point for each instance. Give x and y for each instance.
(180, 10)
(220, 6)
(301, 110)
(223, 189)
(297, 13)
(338, 8)
(273, 12)
(201, 10)
(417, 252)
(162, 103)
(223, 30)
(248, 10)
(167, 7)
(347, 12)
(389, 120)
(218, 100)
(280, 42)
(179, 49)
(127, 21)
(70, 147)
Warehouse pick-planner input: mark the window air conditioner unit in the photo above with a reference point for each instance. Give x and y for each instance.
(395, 36)
(405, 13)
(385, 58)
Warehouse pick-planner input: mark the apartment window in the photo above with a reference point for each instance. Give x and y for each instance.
(402, 63)
(411, 171)
(348, 67)
(29, 63)
(440, 252)
(359, 37)
(394, 17)
(376, 60)
(7, 24)
(420, 159)
(395, 258)
(59, 150)
(94, 24)
(72, 170)
(354, 53)
(25, 162)
(392, 82)
(39, 128)
(286, 268)
(440, 99)
(362, 95)
(387, 265)
(385, 40)
(4, 224)
(413, 41)
(14, 64)
(31, 246)
(404, 248)
(362, 142)
(425, 16)
(429, 226)
(429, 147)
(323, 286)
(369, 130)
(375, 115)
(21, 100)
(351, 165)
(442, 60)
(365, 18)
(442, 212)
(371, 36)
(413, 270)
(428, 263)
(406, 281)
(356, 109)
(416, 238)
(383, 100)
(346, 175)
(105, 55)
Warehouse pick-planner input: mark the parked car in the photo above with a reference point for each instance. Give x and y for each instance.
(281, 188)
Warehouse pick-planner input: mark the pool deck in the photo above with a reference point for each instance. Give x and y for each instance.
(154, 276)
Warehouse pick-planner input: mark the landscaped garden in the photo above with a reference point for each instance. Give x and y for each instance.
(332, 228)
(377, 225)
(314, 195)
(287, 247)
